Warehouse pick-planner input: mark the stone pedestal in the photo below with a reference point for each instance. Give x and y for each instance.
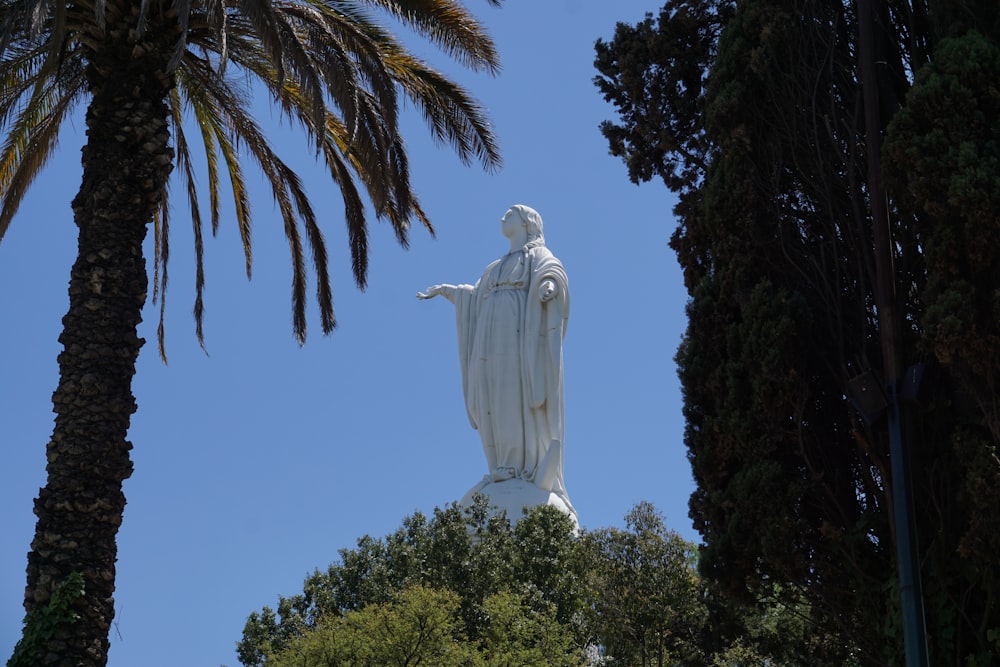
(514, 495)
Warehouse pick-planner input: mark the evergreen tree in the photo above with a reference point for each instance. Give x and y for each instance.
(752, 114)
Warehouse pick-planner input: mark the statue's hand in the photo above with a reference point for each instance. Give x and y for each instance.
(548, 290)
(447, 291)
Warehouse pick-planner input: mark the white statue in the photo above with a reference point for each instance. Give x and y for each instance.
(511, 325)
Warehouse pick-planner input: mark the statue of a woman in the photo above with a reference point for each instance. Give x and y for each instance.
(511, 325)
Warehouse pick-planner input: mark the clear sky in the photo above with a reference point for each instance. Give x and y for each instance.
(256, 463)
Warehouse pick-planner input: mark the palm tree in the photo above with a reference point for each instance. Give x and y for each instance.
(141, 66)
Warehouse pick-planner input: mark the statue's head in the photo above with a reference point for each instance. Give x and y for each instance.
(532, 222)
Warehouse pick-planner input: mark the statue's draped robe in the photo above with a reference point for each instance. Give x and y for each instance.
(510, 345)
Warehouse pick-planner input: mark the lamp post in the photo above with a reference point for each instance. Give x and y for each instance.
(914, 631)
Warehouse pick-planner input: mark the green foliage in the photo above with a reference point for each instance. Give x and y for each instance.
(421, 626)
(942, 158)
(793, 496)
(550, 565)
(535, 594)
(521, 632)
(660, 58)
(466, 551)
(647, 595)
(44, 623)
(738, 655)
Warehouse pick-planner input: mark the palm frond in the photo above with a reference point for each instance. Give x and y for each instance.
(20, 73)
(451, 113)
(397, 204)
(403, 199)
(365, 41)
(329, 66)
(330, 69)
(161, 253)
(317, 244)
(354, 210)
(23, 21)
(31, 141)
(208, 95)
(263, 26)
(449, 25)
(368, 141)
(288, 193)
(211, 158)
(183, 9)
(241, 196)
(184, 162)
(299, 61)
(284, 182)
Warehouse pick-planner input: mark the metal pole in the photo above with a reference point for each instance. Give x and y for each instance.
(912, 597)
(914, 629)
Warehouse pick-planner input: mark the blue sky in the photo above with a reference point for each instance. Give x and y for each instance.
(256, 463)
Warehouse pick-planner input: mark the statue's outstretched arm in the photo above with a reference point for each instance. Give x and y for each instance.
(447, 291)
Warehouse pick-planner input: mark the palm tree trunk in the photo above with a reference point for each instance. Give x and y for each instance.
(126, 162)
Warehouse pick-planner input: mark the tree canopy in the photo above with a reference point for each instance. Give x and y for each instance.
(532, 594)
(752, 113)
(423, 626)
(470, 553)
